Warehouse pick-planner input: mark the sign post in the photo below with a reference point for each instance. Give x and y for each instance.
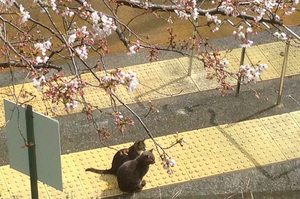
(41, 157)
(31, 152)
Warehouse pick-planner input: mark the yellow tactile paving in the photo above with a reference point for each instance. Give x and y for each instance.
(280, 125)
(18, 184)
(294, 48)
(246, 132)
(209, 151)
(274, 52)
(296, 116)
(172, 73)
(162, 79)
(151, 85)
(198, 74)
(158, 173)
(289, 146)
(265, 152)
(72, 188)
(255, 56)
(4, 194)
(100, 186)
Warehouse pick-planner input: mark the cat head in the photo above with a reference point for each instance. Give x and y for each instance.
(148, 156)
(140, 145)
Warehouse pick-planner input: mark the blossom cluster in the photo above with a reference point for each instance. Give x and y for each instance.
(46, 4)
(213, 19)
(134, 48)
(59, 89)
(122, 122)
(187, 9)
(110, 81)
(227, 7)
(245, 43)
(251, 74)
(42, 47)
(24, 14)
(281, 36)
(102, 24)
(8, 3)
(168, 163)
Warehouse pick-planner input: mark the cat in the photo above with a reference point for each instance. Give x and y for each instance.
(130, 174)
(122, 156)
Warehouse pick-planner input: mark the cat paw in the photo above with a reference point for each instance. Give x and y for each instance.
(143, 183)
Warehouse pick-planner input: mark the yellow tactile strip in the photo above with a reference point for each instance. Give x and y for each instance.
(165, 78)
(208, 152)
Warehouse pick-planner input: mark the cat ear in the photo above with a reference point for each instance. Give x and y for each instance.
(151, 150)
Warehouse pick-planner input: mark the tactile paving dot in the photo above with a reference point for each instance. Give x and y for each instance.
(125, 96)
(247, 132)
(217, 138)
(26, 193)
(289, 145)
(234, 61)
(161, 176)
(3, 189)
(199, 75)
(151, 85)
(68, 170)
(4, 194)
(195, 155)
(157, 171)
(96, 185)
(194, 146)
(272, 50)
(265, 152)
(296, 116)
(175, 77)
(18, 184)
(15, 179)
(91, 79)
(72, 188)
(280, 125)
(202, 167)
(93, 158)
(98, 97)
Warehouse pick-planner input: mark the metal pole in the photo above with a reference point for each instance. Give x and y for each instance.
(192, 53)
(31, 152)
(237, 94)
(286, 53)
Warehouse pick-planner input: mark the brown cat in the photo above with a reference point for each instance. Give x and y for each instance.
(130, 174)
(122, 156)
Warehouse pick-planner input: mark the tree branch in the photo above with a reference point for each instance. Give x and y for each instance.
(171, 8)
(38, 66)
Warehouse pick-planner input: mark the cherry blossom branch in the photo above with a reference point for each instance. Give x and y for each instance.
(147, 5)
(38, 66)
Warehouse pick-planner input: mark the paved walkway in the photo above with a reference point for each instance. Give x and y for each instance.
(167, 78)
(208, 152)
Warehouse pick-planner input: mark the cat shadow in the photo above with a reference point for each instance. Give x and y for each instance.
(262, 169)
(110, 190)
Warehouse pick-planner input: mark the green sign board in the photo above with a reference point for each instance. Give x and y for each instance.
(47, 144)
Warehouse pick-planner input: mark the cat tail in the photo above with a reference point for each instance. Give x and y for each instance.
(99, 171)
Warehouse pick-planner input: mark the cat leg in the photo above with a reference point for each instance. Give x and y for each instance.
(141, 185)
